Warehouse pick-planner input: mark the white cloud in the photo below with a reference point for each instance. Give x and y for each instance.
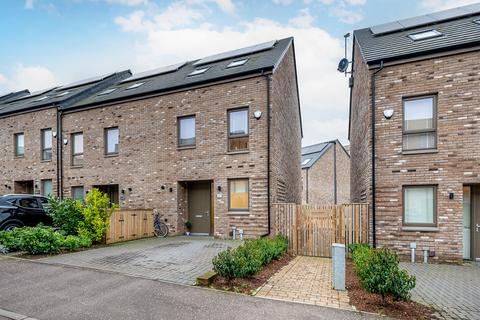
(282, 2)
(437, 5)
(128, 2)
(324, 91)
(29, 4)
(303, 20)
(28, 77)
(345, 15)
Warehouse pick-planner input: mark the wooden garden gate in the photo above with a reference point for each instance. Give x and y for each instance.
(312, 229)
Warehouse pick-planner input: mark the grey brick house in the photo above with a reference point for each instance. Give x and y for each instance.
(325, 173)
(206, 140)
(416, 157)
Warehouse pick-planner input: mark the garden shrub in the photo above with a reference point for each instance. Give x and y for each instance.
(379, 272)
(249, 258)
(97, 212)
(66, 214)
(72, 243)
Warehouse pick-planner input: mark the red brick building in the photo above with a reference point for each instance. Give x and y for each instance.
(215, 141)
(416, 157)
(325, 173)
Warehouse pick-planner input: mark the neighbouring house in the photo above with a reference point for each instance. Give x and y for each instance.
(414, 132)
(215, 141)
(325, 173)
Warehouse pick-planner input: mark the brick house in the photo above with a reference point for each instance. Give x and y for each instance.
(416, 157)
(325, 173)
(207, 140)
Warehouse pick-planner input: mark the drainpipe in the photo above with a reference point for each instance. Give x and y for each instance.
(269, 84)
(373, 157)
(306, 186)
(334, 172)
(59, 154)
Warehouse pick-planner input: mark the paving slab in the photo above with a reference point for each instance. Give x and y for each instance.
(453, 290)
(173, 259)
(305, 280)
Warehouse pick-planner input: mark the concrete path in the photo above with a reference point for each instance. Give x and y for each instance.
(453, 290)
(174, 259)
(306, 280)
(45, 292)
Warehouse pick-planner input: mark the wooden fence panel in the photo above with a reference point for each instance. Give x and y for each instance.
(312, 229)
(129, 224)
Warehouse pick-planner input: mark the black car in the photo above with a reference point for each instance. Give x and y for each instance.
(18, 210)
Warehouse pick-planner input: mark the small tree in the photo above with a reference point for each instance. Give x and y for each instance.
(97, 212)
(66, 214)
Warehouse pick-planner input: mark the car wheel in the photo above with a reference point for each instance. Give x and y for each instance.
(12, 225)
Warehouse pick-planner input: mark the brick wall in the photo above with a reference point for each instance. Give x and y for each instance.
(455, 80)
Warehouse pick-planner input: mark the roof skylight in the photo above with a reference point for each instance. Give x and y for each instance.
(62, 94)
(41, 98)
(107, 91)
(477, 21)
(423, 35)
(304, 162)
(237, 63)
(135, 85)
(198, 71)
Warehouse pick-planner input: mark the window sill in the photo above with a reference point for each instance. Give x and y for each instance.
(237, 152)
(238, 213)
(423, 151)
(186, 148)
(46, 160)
(111, 155)
(76, 166)
(18, 157)
(422, 229)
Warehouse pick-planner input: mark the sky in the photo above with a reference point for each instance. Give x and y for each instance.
(47, 43)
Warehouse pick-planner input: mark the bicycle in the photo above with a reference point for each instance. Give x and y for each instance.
(160, 227)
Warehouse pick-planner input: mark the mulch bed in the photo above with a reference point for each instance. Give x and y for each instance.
(249, 285)
(370, 302)
(24, 255)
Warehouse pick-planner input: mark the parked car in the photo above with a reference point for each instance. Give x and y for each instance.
(18, 210)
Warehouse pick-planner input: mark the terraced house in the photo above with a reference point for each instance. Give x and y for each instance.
(215, 141)
(414, 132)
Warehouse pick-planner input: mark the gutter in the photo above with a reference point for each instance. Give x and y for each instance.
(373, 157)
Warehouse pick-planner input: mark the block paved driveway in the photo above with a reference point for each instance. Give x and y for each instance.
(454, 290)
(174, 259)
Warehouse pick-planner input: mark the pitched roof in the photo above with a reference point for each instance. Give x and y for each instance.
(63, 95)
(12, 95)
(263, 57)
(391, 41)
(313, 153)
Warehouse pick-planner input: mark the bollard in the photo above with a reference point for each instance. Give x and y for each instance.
(234, 233)
(425, 254)
(240, 232)
(413, 246)
(338, 266)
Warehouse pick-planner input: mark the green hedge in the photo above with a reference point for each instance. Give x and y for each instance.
(379, 272)
(41, 240)
(249, 258)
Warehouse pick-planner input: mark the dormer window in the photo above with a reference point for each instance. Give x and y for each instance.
(135, 85)
(198, 71)
(237, 63)
(428, 34)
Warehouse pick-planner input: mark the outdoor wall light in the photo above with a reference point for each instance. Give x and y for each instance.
(54, 134)
(65, 141)
(451, 195)
(163, 187)
(219, 188)
(388, 114)
(171, 189)
(129, 189)
(123, 191)
(257, 114)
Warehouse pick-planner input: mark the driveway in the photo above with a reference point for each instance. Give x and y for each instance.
(453, 290)
(57, 292)
(174, 259)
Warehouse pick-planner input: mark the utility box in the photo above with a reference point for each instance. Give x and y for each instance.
(338, 266)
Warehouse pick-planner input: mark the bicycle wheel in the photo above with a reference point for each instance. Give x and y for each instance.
(161, 230)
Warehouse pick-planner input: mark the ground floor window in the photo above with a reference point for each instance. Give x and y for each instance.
(46, 187)
(238, 194)
(419, 205)
(78, 193)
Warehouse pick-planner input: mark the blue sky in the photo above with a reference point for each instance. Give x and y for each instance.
(47, 43)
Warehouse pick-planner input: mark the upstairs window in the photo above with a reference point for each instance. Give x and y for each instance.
(46, 144)
(19, 141)
(77, 149)
(428, 34)
(186, 131)
(238, 129)
(111, 141)
(419, 123)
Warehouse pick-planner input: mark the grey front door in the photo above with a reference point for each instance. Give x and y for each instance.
(199, 207)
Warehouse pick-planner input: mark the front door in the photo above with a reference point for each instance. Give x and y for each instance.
(199, 207)
(476, 224)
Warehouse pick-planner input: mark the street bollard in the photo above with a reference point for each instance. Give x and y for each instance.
(338, 266)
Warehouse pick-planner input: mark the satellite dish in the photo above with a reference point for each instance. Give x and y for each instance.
(343, 65)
